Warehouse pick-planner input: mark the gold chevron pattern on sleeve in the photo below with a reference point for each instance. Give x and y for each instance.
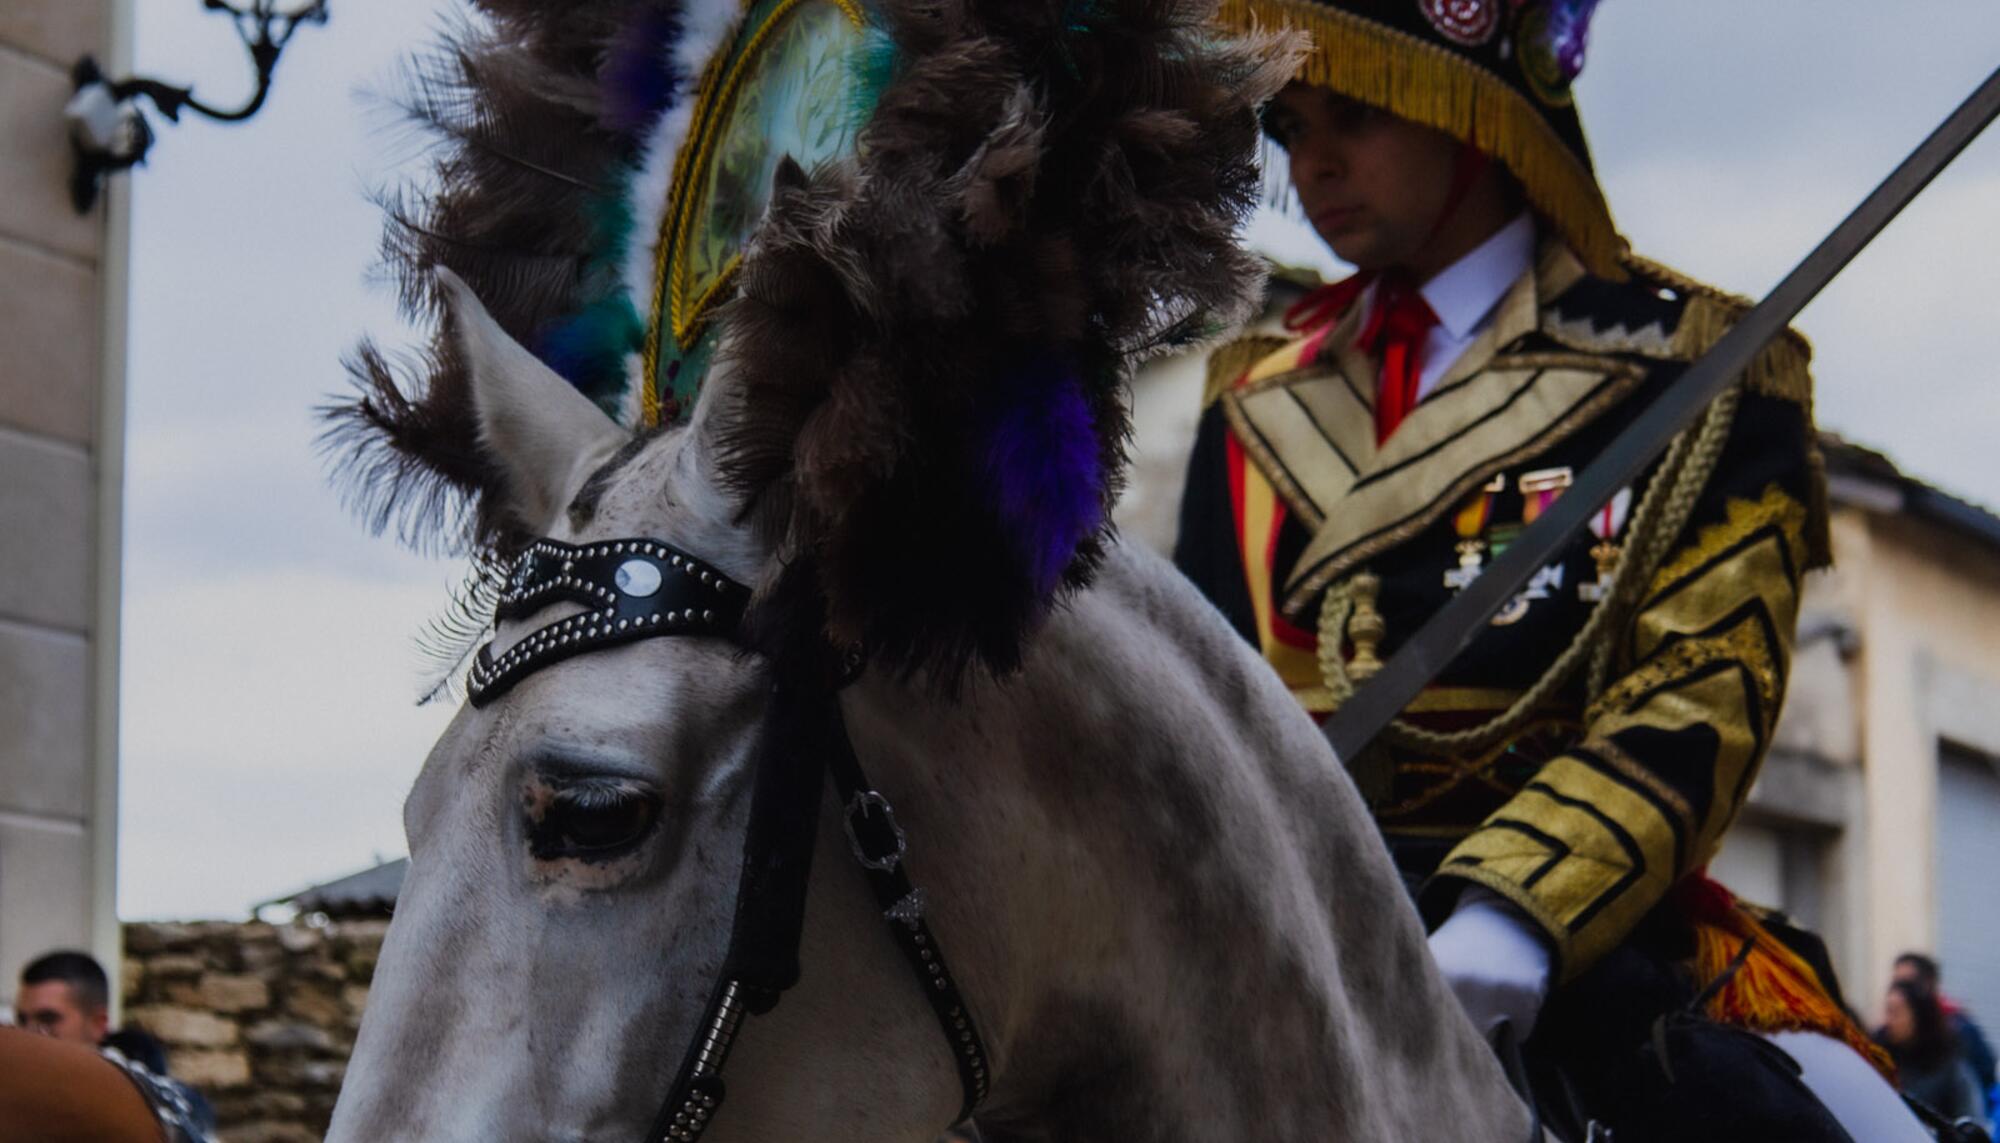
(1669, 749)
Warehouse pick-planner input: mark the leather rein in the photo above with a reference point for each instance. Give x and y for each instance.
(646, 589)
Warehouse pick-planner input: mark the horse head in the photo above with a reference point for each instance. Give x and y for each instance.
(1166, 909)
(575, 847)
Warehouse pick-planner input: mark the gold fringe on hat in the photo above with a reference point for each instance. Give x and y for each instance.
(1429, 84)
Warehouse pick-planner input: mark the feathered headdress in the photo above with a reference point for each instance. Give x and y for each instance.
(930, 238)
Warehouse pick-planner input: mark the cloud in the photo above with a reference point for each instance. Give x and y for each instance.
(269, 733)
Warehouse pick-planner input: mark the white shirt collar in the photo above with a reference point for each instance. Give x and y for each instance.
(1463, 293)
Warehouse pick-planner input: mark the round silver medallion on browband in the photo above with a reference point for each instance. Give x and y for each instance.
(634, 589)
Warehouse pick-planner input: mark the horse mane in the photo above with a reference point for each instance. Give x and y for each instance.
(929, 346)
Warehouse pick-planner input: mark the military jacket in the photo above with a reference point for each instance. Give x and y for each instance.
(1594, 743)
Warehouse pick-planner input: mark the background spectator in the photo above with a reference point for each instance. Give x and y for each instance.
(1932, 1067)
(1925, 973)
(65, 995)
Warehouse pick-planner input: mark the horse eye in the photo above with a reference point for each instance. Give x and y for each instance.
(592, 821)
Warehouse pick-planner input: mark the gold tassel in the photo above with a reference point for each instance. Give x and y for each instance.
(1772, 990)
(1429, 84)
(1366, 627)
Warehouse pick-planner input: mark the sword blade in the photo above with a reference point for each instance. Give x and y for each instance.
(1454, 627)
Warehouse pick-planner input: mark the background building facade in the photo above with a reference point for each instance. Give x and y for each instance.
(61, 444)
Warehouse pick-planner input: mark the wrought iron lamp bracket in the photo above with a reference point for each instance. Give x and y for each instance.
(108, 133)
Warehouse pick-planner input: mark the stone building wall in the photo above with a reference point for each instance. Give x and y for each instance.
(260, 1017)
(60, 320)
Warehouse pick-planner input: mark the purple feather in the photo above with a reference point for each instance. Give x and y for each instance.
(1042, 467)
(638, 74)
(1569, 33)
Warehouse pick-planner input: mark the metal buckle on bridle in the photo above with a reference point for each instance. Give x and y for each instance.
(858, 809)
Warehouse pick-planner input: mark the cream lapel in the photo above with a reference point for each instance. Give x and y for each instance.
(1495, 408)
(1309, 429)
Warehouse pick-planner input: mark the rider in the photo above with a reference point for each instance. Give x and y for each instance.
(1555, 793)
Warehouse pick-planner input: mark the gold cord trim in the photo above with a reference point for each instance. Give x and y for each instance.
(1428, 84)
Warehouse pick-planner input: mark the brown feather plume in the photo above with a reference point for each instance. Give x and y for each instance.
(513, 107)
(1040, 181)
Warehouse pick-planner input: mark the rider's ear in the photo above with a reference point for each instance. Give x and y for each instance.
(535, 427)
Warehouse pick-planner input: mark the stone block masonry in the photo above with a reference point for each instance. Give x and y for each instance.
(260, 1017)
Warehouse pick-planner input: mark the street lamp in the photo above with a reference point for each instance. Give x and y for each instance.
(109, 133)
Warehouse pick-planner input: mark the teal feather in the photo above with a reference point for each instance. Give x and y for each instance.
(874, 66)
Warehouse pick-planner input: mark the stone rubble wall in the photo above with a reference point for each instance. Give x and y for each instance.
(260, 1017)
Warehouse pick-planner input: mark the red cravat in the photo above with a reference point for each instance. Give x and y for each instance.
(1394, 334)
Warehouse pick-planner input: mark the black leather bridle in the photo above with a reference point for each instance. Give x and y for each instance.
(645, 589)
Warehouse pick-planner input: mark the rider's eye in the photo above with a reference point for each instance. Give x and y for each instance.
(1352, 115)
(592, 820)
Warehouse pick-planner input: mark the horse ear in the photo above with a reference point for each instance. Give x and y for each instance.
(534, 426)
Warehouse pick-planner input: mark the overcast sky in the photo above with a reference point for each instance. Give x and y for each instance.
(269, 731)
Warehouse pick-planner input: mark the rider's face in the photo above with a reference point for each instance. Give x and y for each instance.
(1374, 185)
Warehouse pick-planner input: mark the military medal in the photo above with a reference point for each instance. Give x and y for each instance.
(1540, 489)
(1605, 525)
(1470, 524)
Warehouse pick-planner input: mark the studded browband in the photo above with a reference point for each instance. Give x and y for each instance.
(643, 589)
(635, 589)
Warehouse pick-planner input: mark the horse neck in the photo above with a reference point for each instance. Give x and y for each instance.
(1171, 912)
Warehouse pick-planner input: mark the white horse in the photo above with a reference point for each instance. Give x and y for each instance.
(1167, 907)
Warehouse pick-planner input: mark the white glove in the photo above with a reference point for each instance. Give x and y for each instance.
(1495, 960)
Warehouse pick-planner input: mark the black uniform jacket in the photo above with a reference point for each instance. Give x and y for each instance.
(1641, 734)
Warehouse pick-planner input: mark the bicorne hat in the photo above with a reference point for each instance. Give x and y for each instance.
(1494, 73)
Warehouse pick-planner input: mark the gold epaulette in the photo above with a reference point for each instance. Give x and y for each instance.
(1782, 371)
(1228, 362)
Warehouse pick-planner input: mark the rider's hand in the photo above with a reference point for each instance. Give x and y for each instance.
(1495, 960)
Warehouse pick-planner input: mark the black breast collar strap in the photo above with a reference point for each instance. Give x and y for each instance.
(642, 589)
